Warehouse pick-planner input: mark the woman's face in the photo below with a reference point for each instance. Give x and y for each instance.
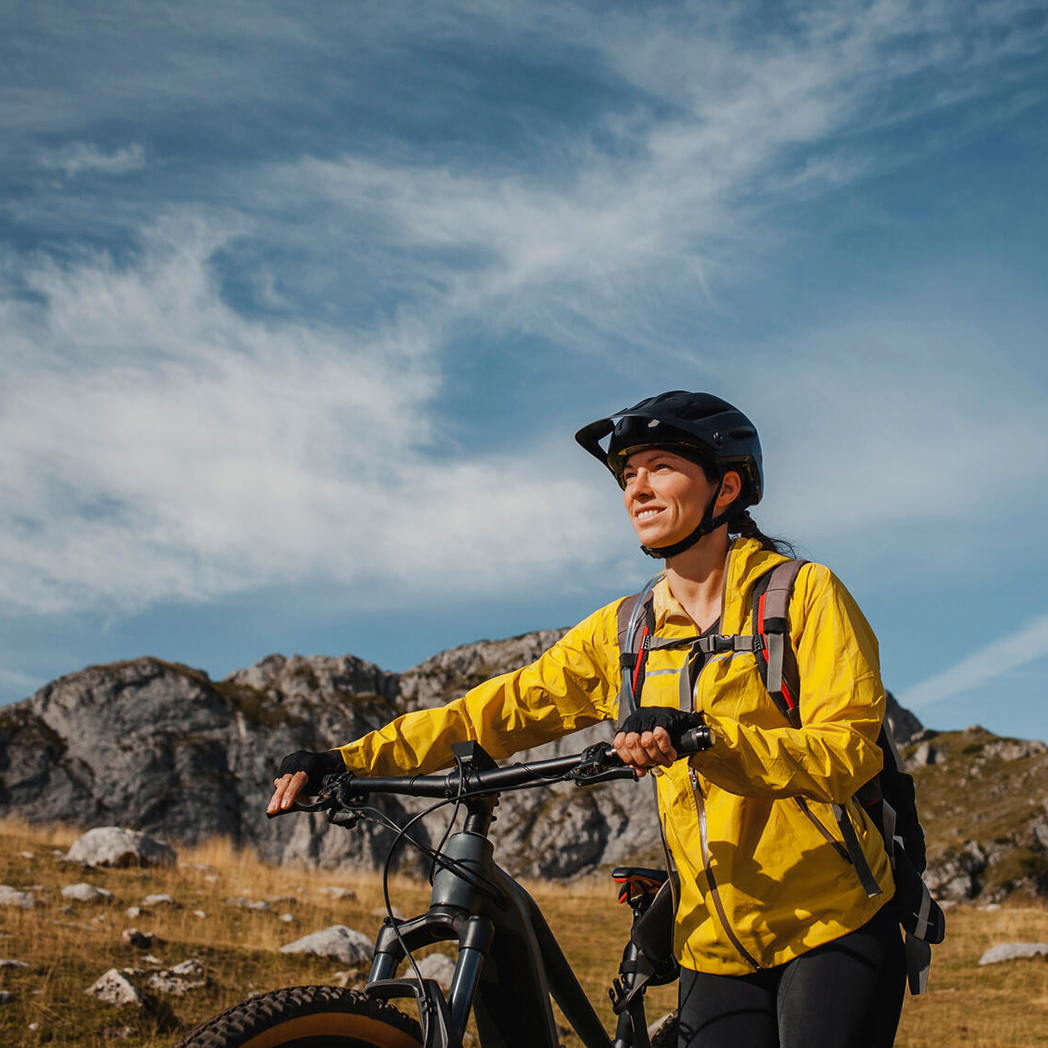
(665, 495)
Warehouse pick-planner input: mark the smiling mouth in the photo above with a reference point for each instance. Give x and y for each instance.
(647, 514)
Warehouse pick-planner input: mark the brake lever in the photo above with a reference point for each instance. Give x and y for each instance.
(596, 766)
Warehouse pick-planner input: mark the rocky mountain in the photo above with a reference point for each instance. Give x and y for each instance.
(161, 747)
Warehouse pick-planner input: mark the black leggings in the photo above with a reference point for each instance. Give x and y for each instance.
(845, 994)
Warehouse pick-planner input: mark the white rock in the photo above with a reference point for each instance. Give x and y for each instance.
(5, 997)
(343, 944)
(287, 918)
(380, 911)
(11, 897)
(179, 980)
(114, 988)
(12, 964)
(437, 966)
(86, 893)
(114, 846)
(1010, 951)
(134, 912)
(26, 855)
(337, 893)
(992, 907)
(200, 914)
(159, 900)
(151, 960)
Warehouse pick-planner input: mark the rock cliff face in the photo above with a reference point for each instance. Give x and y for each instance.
(160, 747)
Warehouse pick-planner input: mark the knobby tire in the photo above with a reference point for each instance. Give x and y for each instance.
(308, 1017)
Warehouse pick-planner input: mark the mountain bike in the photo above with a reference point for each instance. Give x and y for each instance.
(509, 964)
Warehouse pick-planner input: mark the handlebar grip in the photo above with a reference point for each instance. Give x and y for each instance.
(695, 740)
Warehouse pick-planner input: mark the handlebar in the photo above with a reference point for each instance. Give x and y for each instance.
(599, 763)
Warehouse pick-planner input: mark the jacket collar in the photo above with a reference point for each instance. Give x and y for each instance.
(746, 562)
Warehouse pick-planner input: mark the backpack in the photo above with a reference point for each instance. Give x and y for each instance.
(889, 797)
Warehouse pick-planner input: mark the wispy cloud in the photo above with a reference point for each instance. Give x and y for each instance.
(78, 157)
(989, 663)
(155, 443)
(160, 437)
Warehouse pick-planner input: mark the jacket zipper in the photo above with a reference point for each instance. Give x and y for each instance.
(700, 803)
(711, 880)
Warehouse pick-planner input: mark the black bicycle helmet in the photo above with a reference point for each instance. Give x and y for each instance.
(721, 435)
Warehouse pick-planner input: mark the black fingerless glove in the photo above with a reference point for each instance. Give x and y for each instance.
(315, 765)
(648, 718)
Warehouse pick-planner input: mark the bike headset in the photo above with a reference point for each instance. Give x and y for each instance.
(697, 426)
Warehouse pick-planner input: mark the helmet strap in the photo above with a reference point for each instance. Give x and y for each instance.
(707, 525)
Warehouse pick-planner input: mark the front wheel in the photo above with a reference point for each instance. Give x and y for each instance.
(308, 1017)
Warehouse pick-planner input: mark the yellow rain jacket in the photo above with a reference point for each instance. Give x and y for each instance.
(764, 873)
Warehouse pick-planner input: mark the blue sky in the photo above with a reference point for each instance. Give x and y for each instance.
(300, 306)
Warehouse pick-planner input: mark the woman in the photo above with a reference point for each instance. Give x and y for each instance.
(779, 942)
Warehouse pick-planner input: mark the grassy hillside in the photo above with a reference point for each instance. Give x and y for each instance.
(984, 807)
(67, 945)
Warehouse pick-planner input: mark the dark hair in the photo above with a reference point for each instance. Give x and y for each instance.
(745, 526)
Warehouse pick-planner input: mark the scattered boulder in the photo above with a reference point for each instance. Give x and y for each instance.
(381, 911)
(84, 892)
(957, 874)
(925, 755)
(179, 980)
(161, 899)
(200, 914)
(114, 988)
(6, 997)
(12, 897)
(1014, 749)
(437, 966)
(337, 893)
(339, 942)
(1010, 951)
(7, 963)
(115, 846)
(287, 918)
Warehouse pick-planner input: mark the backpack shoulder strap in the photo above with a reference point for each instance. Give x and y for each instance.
(772, 649)
(636, 624)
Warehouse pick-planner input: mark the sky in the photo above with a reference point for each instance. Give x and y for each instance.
(301, 306)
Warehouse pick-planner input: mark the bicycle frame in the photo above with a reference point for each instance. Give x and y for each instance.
(509, 962)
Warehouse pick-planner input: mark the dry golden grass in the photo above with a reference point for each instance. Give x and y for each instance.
(1000, 1005)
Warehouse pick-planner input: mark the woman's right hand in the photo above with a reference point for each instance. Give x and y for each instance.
(649, 736)
(302, 773)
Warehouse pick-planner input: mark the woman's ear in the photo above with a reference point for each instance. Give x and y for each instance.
(731, 489)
